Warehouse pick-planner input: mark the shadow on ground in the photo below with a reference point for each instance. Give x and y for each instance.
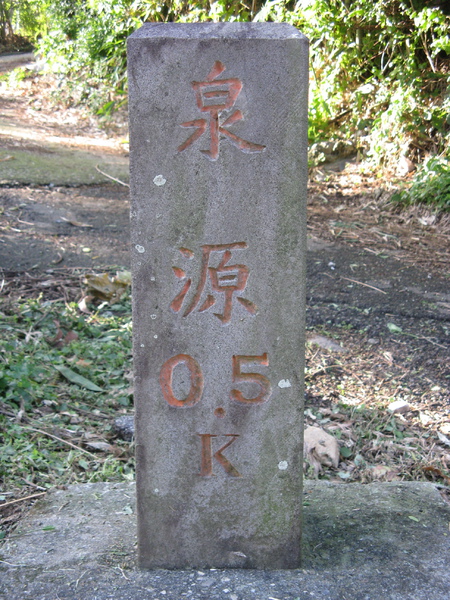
(388, 541)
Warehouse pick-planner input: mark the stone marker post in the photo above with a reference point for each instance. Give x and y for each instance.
(218, 122)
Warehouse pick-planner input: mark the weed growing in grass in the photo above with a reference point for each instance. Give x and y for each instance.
(55, 428)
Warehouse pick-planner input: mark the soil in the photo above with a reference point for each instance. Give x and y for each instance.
(44, 229)
(378, 276)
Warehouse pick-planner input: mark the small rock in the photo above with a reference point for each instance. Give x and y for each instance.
(326, 343)
(404, 166)
(124, 427)
(101, 446)
(399, 406)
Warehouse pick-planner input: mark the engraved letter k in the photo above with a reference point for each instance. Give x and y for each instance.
(207, 455)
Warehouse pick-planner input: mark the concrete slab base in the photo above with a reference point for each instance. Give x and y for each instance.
(387, 541)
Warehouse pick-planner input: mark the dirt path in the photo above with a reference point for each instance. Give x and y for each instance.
(16, 59)
(51, 144)
(378, 278)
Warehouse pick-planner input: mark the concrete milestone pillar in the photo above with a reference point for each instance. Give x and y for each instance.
(218, 122)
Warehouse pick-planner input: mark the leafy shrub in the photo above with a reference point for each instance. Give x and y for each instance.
(431, 185)
(380, 69)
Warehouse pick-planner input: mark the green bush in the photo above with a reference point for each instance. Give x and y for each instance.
(85, 47)
(380, 69)
(431, 185)
(21, 18)
(381, 74)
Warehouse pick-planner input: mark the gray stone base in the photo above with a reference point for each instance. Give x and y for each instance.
(388, 541)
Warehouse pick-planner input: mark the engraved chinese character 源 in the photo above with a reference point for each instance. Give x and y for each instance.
(227, 279)
(216, 96)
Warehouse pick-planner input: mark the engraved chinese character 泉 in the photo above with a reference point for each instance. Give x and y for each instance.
(215, 96)
(227, 279)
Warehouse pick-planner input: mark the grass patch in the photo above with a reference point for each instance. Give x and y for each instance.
(430, 186)
(64, 376)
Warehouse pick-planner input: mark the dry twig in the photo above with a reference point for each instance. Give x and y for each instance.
(111, 177)
(364, 284)
(55, 437)
(22, 499)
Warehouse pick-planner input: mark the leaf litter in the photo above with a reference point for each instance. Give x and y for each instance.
(389, 358)
(348, 396)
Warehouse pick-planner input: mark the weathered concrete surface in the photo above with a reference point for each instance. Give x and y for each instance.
(388, 541)
(218, 128)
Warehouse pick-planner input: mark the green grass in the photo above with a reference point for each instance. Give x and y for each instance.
(49, 413)
(430, 186)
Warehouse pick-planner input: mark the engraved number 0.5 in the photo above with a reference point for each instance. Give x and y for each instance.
(196, 378)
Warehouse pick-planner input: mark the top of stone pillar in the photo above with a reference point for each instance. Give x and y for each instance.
(236, 30)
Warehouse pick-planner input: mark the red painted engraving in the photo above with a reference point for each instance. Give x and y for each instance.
(223, 279)
(210, 301)
(179, 273)
(214, 96)
(250, 306)
(206, 469)
(177, 302)
(261, 380)
(187, 253)
(165, 380)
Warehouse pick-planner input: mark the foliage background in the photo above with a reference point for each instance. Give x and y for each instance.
(380, 68)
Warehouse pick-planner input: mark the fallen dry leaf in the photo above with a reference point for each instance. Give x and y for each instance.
(70, 337)
(321, 448)
(434, 473)
(106, 288)
(382, 473)
(83, 363)
(60, 339)
(82, 304)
